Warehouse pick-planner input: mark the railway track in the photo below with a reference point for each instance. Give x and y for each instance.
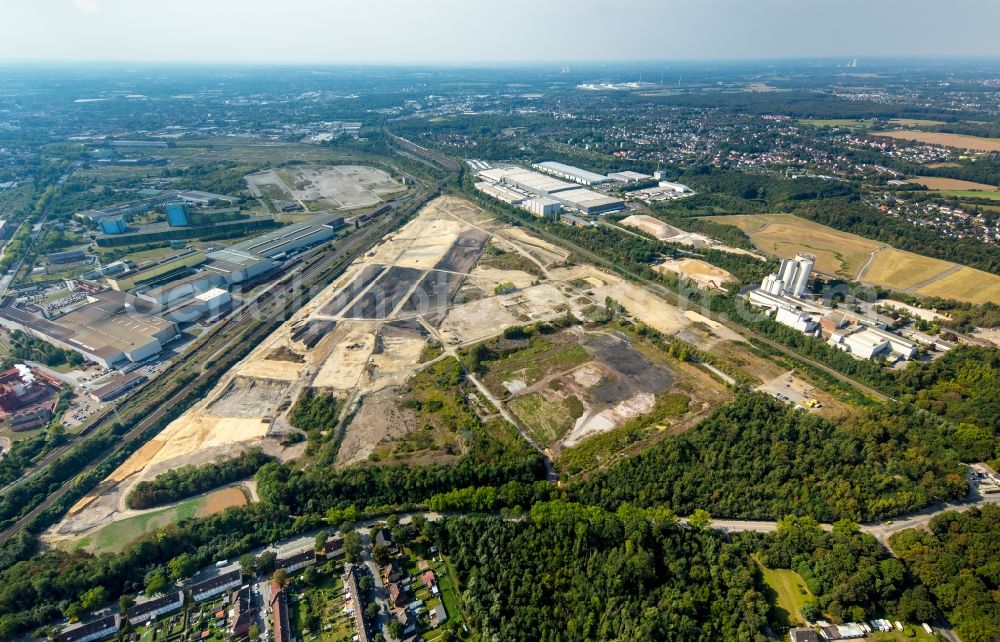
(246, 326)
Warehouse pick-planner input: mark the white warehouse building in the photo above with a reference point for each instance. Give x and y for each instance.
(542, 206)
(570, 173)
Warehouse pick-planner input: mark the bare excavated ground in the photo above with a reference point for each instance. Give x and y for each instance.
(575, 384)
(336, 186)
(362, 338)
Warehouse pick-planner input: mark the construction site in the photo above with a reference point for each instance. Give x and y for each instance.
(321, 187)
(451, 277)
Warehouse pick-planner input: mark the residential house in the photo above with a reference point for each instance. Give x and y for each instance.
(297, 561)
(240, 613)
(148, 610)
(217, 585)
(803, 635)
(281, 626)
(393, 572)
(98, 629)
(398, 595)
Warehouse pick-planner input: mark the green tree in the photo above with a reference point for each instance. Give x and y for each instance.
(279, 577)
(93, 598)
(73, 611)
(248, 565)
(182, 567)
(156, 582)
(265, 562)
(700, 520)
(380, 554)
(320, 542)
(352, 546)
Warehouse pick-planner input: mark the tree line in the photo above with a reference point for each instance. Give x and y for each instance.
(188, 481)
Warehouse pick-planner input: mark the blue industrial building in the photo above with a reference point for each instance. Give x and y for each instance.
(113, 225)
(177, 215)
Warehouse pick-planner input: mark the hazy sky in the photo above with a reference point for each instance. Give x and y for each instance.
(470, 31)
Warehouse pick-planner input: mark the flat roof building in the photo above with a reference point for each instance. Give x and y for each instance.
(183, 288)
(69, 256)
(106, 330)
(628, 177)
(589, 202)
(542, 206)
(571, 173)
(500, 192)
(237, 266)
(314, 231)
(527, 180)
(152, 272)
(118, 387)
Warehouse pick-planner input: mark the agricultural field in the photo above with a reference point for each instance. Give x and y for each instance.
(951, 184)
(959, 141)
(783, 235)
(903, 270)
(916, 122)
(965, 193)
(856, 258)
(964, 284)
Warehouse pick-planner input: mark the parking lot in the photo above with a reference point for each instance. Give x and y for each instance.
(790, 389)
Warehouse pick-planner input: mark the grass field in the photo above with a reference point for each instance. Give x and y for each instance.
(788, 594)
(837, 253)
(843, 254)
(965, 193)
(951, 184)
(851, 123)
(960, 141)
(917, 122)
(967, 284)
(903, 270)
(115, 536)
(547, 421)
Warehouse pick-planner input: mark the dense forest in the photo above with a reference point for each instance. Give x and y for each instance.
(964, 387)
(959, 562)
(571, 573)
(757, 458)
(188, 481)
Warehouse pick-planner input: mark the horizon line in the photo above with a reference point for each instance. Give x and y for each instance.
(924, 57)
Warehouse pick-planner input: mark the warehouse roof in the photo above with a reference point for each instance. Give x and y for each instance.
(273, 242)
(569, 170)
